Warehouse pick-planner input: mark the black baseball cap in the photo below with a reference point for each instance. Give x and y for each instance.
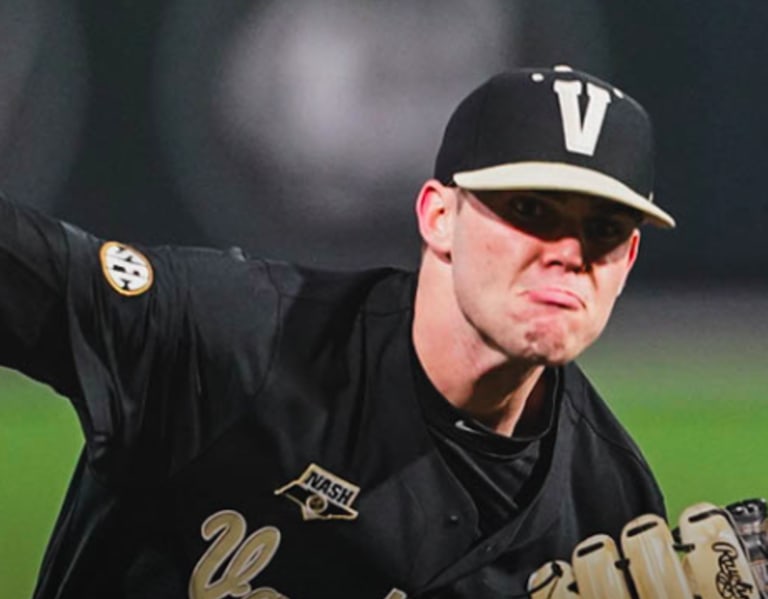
(552, 129)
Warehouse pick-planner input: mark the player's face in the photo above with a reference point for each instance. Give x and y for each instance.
(536, 274)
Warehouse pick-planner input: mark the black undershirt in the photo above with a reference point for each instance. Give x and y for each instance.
(492, 468)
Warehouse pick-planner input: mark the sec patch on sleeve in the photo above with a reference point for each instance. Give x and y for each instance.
(126, 269)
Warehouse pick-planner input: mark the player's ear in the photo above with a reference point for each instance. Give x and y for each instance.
(435, 207)
(631, 257)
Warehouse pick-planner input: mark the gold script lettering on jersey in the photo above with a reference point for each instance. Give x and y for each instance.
(242, 560)
(245, 558)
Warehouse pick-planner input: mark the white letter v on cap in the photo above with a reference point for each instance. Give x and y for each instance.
(581, 137)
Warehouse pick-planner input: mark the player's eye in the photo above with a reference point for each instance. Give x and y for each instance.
(531, 212)
(528, 207)
(608, 231)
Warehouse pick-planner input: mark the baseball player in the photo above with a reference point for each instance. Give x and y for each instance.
(258, 429)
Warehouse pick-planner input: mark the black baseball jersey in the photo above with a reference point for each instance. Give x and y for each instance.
(256, 429)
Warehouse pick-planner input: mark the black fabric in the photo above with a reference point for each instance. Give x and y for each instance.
(492, 468)
(210, 400)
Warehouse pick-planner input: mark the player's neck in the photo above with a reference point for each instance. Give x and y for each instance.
(506, 400)
(503, 395)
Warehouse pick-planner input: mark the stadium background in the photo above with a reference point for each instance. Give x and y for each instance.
(302, 130)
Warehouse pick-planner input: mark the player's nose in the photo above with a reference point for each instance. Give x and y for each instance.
(566, 251)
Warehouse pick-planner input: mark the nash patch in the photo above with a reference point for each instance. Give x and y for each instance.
(126, 269)
(321, 495)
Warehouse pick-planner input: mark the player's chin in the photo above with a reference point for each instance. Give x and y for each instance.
(547, 353)
(553, 358)
(553, 348)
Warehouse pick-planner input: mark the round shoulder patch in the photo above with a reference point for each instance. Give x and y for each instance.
(126, 269)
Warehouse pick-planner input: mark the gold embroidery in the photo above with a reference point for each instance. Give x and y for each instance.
(247, 559)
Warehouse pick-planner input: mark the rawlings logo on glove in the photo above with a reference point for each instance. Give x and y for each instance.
(724, 557)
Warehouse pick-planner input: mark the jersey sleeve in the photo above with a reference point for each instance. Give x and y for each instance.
(33, 325)
(158, 348)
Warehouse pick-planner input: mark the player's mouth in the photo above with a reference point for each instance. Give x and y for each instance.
(558, 297)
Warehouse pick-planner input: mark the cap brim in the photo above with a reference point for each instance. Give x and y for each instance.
(557, 176)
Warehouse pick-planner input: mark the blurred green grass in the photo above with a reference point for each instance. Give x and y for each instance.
(39, 444)
(700, 415)
(702, 430)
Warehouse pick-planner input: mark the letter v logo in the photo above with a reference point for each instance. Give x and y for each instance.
(581, 137)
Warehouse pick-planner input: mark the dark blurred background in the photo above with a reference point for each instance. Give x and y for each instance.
(303, 129)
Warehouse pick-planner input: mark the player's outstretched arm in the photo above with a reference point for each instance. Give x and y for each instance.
(137, 337)
(75, 308)
(33, 258)
(93, 319)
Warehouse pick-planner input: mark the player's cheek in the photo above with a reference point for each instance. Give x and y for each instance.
(598, 318)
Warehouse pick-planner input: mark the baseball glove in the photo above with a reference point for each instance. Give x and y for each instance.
(715, 553)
